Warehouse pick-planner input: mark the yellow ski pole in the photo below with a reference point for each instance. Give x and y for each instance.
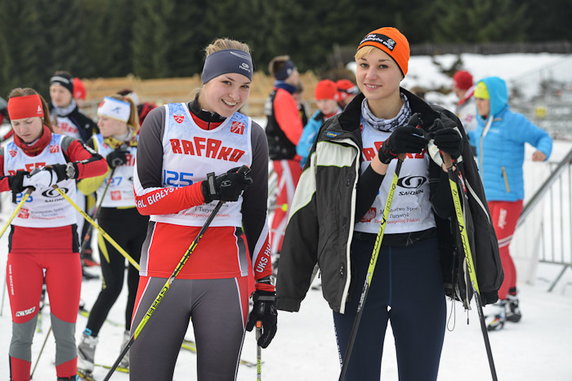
(12, 216)
(165, 288)
(16, 210)
(99, 228)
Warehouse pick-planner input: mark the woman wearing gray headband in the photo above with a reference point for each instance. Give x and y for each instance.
(208, 152)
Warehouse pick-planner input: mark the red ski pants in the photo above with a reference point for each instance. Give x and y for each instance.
(505, 215)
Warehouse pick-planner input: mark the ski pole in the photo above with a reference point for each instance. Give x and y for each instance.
(99, 228)
(87, 234)
(41, 351)
(371, 269)
(454, 186)
(258, 352)
(165, 288)
(16, 210)
(10, 219)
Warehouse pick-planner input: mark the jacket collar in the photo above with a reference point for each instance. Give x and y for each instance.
(349, 119)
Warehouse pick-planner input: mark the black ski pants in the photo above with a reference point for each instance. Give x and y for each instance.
(128, 228)
(406, 290)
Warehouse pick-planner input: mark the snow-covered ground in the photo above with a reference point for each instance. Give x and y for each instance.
(537, 348)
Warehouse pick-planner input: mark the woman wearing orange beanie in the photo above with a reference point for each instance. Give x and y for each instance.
(337, 211)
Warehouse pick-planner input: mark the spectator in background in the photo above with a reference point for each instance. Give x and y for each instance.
(79, 91)
(143, 109)
(283, 130)
(347, 91)
(326, 95)
(302, 106)
(465, 108)
(500, 138)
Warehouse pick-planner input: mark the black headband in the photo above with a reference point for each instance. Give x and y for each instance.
(63, 80)
(227, 61)
(284, 72)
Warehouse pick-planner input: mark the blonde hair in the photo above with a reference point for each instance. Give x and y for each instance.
(224, 44)
(364, 51)
(21, 92)
(133, 121)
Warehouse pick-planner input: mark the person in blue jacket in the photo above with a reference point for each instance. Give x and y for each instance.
(326, 95)
(500, 138)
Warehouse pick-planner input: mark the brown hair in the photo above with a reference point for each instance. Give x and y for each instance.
(276, 64)
(225, 43)
(133, 121)
(21, 92)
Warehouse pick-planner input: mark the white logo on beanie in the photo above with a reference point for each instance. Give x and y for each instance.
(245, 66)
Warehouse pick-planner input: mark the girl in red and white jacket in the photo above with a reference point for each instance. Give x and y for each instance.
(43, 243)
(188, 158)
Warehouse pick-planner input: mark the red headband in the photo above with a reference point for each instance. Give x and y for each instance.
(26, 106)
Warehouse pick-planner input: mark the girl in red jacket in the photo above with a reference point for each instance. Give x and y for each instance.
(43, 243)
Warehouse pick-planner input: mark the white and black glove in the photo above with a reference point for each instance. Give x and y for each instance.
(50, 175)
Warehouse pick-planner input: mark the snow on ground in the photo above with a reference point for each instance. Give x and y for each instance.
(304, 349)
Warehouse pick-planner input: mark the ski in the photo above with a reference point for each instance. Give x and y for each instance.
(119, 369)
(85, 313)
(85, 376)
(189, 345)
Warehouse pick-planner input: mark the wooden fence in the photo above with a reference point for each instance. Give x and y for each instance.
(166, 90)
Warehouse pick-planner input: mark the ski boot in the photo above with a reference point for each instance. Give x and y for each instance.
(86, 354)
(125, 360)
(86, 275)
(496, 316)
(513, 313)
(87, 258)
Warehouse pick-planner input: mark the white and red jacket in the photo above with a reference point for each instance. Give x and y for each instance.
(47, 209)
(177, 149)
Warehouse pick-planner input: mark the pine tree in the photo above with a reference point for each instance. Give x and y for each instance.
(20, 43)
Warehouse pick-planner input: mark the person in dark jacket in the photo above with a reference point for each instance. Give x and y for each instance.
(337, 211)
(283, 130)
(70, 121)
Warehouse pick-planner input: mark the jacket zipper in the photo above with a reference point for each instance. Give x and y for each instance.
(505, 177)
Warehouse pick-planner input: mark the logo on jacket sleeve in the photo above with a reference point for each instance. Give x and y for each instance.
(54, 148)
(237, 127)
(179, 118)
(12, 152)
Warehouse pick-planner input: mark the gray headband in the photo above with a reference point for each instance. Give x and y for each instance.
(227, 61)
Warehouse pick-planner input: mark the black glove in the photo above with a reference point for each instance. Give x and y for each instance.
(446, 138)
(117, 158)
(15, 181)
(264, 311)
(404, 139)
(228, 186)
(64, 171)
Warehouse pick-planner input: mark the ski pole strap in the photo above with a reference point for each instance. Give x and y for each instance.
(463, 230)
(16, 210)
(99, 228)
